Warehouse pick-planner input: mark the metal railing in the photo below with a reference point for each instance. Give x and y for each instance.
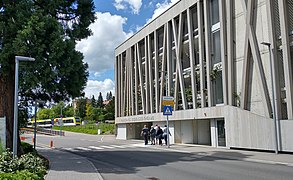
(51, 132)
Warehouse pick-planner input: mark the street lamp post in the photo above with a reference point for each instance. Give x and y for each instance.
(273, 96)
(15, 125)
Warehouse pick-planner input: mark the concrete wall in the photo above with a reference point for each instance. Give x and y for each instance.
(121, 131)
(186, 132)
(286, 135)
(248, 130)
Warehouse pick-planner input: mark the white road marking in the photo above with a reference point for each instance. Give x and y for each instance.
(95, 147)
(83, 148)
(107, 147)
(122, 147)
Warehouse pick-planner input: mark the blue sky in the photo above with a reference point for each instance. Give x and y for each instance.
(116, 21)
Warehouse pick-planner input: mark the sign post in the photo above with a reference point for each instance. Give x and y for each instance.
(168, 102)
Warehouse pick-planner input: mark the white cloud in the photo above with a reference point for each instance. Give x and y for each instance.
(95, 87)
(161, 7)
(98, 74)
(135, 5)
(98, 49)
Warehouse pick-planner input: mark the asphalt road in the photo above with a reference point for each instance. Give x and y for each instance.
(118, 159)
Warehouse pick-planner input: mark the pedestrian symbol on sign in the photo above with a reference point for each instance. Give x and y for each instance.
(167, 110)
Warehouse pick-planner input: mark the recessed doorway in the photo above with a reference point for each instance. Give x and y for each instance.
(221, 132)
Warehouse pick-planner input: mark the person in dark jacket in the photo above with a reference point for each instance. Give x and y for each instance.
(159, 134)
(145, 134)
(153, 135)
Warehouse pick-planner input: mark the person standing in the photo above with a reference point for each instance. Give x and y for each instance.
(145, 134)
(165, 135)
(153, 135)
(159, 135)
(156, 137)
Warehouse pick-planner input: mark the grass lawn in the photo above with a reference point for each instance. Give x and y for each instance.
(89, 128)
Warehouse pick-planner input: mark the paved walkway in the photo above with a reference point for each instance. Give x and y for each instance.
(66, 165)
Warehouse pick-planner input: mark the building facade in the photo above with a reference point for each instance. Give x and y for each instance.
(228, 65)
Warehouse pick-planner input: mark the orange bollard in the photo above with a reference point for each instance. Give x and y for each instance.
(51, 144)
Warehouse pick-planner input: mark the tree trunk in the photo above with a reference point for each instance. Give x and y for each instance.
(7, 107)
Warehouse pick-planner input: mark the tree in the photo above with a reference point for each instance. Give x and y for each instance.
(45, 113)
(81, 108)
(68, 111)
(110, 109)
(93, 101)
(89, 111)
(110, 96)
(100, 101)
(46, 30)
(107, 96)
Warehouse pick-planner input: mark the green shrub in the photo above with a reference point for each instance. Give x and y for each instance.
(20, 175)
(27, 147)
(15, 167)
(32, 163)
(7, 162)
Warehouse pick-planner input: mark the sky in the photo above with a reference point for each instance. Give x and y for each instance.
(116, 21)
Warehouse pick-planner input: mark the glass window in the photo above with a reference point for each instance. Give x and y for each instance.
(219, 89)
(194, 18)
(215, 11)
(216, 58)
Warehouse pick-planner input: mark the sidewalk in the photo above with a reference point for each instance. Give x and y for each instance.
(64, 165)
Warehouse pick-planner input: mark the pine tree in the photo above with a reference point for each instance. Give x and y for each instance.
(93, 102)
(110, 96)
(100, 101)
(107, 97)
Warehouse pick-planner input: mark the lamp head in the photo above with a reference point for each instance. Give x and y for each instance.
(23, 58)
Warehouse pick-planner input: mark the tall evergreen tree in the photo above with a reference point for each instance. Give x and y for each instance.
(93, 102)
(100, 101)
(110, 108)
(107, 97)
(110, 96)
(46, 30)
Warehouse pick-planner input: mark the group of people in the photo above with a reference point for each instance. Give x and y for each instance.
(155, 135)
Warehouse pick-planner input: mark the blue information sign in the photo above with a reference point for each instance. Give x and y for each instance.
(167, 110)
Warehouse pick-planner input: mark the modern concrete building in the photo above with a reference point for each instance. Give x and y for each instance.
(228, 65)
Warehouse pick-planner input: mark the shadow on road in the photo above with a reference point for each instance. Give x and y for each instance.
(125, 162)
